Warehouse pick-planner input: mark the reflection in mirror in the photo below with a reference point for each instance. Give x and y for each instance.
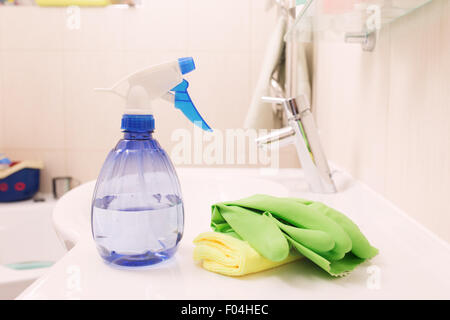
(63, 3)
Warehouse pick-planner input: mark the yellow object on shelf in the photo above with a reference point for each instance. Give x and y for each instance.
(224, 254)
(65, 3)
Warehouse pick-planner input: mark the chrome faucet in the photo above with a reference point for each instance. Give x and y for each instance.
(302, 132)
(295, 108)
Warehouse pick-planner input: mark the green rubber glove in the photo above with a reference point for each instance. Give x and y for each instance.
(273, 225)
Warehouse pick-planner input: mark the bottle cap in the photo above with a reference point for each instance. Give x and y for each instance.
(138, 122)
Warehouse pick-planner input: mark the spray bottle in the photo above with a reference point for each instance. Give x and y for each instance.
(137, 207)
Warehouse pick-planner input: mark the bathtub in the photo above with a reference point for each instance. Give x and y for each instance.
(28, 244)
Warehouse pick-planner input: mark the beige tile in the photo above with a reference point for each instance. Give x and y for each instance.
(419, 135)
(1, 100)
(94, 29)
(2, 12)
(334, 104)
(351, 102)
(289, 158)
(32, 28)
(92, 118)
(84, 165)
(157, 26)
(54, 163)
(219, 28)
(136, 60)
(32, 100)
(372, 94)
(256, 61)
(262, 23)
(221, 88)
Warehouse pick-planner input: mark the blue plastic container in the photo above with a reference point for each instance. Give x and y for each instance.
(137, 209)
(22, 184)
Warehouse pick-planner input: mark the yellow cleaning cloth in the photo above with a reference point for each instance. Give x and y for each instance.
(227, 255)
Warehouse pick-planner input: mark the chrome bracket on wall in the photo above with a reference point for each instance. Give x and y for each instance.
(367, 39)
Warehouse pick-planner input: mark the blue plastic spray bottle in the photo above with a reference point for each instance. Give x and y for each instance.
(137, 207)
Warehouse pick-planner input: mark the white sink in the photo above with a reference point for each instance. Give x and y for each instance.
(401, 270)
(27, 240)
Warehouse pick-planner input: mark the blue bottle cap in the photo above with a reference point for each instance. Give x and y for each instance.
(186, 64)
(138, 123)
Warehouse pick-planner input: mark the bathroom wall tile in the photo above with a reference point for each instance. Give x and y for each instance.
(219, 27)
(31, 28)
(334, 107)
(156, 26)
(419, 135)
(54, 163)
(262, 23)
(289, 158)
(1, 28)
(352, 113)
(94, 29)
(226, 78)
(32, 100)
(92, 118)
(136, 60)
(84, 165)
(1, 99)
(256, 61)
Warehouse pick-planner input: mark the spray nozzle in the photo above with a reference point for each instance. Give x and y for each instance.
(159, 81)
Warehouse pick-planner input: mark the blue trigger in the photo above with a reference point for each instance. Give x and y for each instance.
(184, 103)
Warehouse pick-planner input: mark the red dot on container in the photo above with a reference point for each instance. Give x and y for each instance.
(3, 187)
(19, 186)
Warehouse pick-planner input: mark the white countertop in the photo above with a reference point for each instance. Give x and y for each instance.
(413, 262)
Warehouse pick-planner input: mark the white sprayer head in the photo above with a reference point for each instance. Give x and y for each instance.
(159, 81)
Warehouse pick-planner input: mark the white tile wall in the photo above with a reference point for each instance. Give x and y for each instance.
(27, 28)
(91, 117)
(223, 28)
(1, 85)
(160, 26)
(384, 115)
(100, 29)
(1, 98)
(48, 109)
(419, 145)
(352, 89)
(33, 100)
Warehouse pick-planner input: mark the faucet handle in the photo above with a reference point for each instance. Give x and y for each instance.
(274, 100)
(294, 107)
(289, 105)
